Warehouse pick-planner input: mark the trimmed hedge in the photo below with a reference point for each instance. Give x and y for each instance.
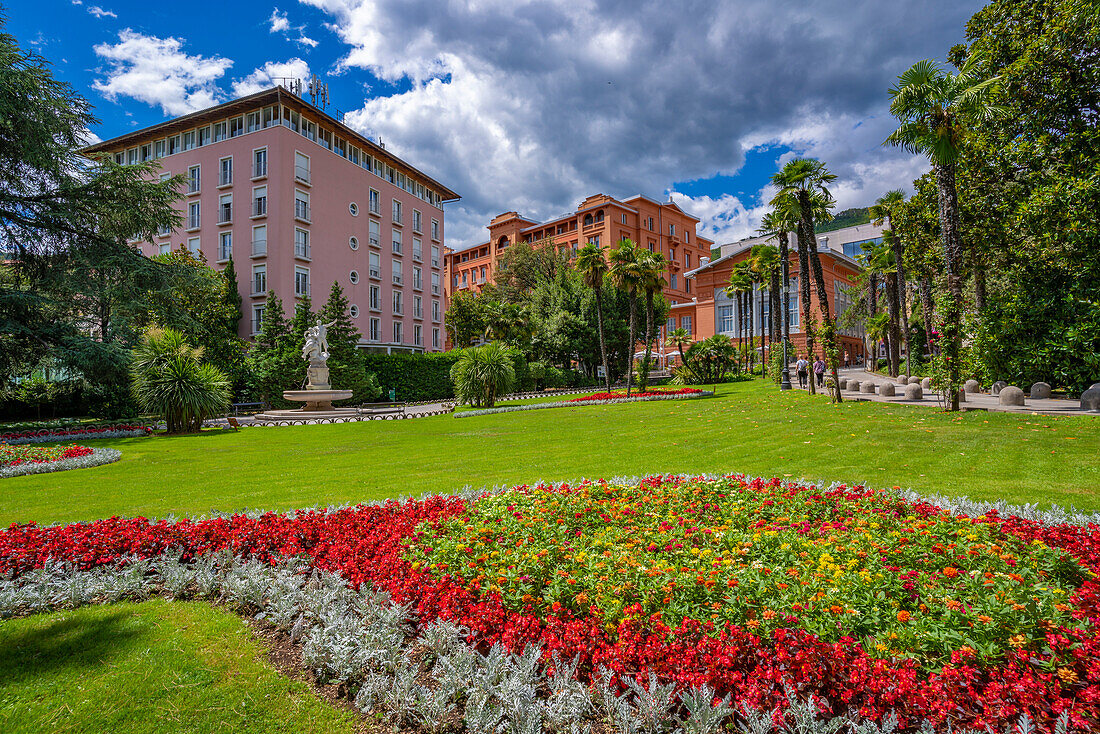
(413, 377)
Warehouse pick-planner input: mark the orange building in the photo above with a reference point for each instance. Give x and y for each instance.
(717, 313)
(601, 219)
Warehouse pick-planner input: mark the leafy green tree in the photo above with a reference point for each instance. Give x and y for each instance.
(884, 211)
(764, 266)
(269, 357)
(170, 378)
(739, 288)
(679, 338)
(592, 265)
(626, 274)
(465, 318)
(651, 268)
(934, 108)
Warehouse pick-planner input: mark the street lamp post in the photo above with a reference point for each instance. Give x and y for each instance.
(785, 384)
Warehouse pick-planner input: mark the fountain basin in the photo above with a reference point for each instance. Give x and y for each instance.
(318, 404)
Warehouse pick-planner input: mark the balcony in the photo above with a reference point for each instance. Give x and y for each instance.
(225, 214)
(301, 251)
(259, 248)
(259, 169)
(301, 175)
(193, 222)
(225, 178)
(193, 186)
(397, 279)
(259, 287)
(259, 207)
(374, 273)
(301, 211)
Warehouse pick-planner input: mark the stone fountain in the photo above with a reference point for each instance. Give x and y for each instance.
(318, 395)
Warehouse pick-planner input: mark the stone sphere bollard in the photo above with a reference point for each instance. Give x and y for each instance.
(1040, 391)
(971, 386)
(903, 379)
(914, 380)
(998, 386)
(1011, 395)
(914, 392)
(926, 383)
(886, 390)
(853, 385)
(867, 388)
(1090, 399)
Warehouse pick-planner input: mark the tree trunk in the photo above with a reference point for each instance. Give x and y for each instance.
(828, 326)
(893, 355)
(804, 295)
(785, 323)
(633, 301)
(774, 328)
(872, 309)
(903, 311)
(603, 344)
(952, 257)
(926, 307)
(644, 383)
(979, 288)
(763, 362)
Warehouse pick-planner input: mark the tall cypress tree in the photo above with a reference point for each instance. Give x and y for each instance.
(267, 364)
(346, 368)
(232, 298)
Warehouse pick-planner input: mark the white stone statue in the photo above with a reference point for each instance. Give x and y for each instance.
(316, 346)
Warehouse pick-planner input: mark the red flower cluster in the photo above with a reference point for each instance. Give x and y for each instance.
(369, 545)
(17, 455)
(647, 394)
(87, 432)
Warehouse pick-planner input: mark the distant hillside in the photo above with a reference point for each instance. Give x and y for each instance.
(846, 218)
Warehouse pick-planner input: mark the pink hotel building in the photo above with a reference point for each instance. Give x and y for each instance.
(300, 200)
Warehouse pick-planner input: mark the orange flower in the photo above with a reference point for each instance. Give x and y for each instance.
(1067, 675)
(950, 572)
(768, 614)
(835, 609)
(903, 616)
(985, 619)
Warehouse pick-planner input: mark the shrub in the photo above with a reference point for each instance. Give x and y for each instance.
(483, 373)
(413, 377)
(170, 379)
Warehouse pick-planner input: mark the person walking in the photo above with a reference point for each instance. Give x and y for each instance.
(847, 359)
(802, 368)
(819, 371)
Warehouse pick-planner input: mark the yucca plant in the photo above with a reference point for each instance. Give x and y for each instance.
(169, 378)
(481, 374)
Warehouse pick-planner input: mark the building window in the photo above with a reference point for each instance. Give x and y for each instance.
(301, 281)
(687, 260)
(301, 244)
(397, 303)
(417, 278)
(397, 332)
(353, 243)
(225, 171)
(396, 211)
(375, 303)
(301, 206)
(236, 127)
(259, 163)
(259, 280)
(418, 307)
(685, 323)
(193, 180)
(189, 140)
(373, 202)
(397, 242)
(417, 220)
(174, 145)
(164, 248)
(397, 272)
(417, 249)
(252, 121)
(194, 220)
(204, 136)
(259, 240)
(301, 167)
(354, 311)
(435, 311)
(687, 285)
(373, 232)
(792, 302)
(225, 245)
(435, 338)
(418, 338)
(435, 284)
(375, 267)
(353, 208)
(375, 330)
(193, 246)
(225, 208)
(353, 276)
(435, 230)
(651, 224)
(672, 230)
(259, 201)
(257, 318)
(726, 321)
(435, 256)
(672, 281)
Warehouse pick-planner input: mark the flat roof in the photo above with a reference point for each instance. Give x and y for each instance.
(273, 95)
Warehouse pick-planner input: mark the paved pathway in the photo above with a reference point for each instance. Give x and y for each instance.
(974, 401)
(411, 411)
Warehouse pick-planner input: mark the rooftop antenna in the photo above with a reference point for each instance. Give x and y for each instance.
(291, 84)
(318, 92)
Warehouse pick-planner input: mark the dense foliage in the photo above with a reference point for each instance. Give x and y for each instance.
(170, 378)
(482, 374)
(512, 569)
(413, 377)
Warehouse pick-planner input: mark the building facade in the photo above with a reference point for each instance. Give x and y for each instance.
(657, 226)
(717, 313)
(299, 200)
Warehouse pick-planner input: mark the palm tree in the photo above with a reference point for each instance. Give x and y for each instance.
(804, 180)
(481, 374)
(886, 210)
(625, 273)
(169, 378)
(764, 262)
(933, 108)
(740, 284)
(592, 265)
(679, 338)
(780, 222)
(651, 265)
(879, 261)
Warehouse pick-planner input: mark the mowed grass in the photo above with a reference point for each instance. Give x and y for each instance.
(749, 427)
(157, 666)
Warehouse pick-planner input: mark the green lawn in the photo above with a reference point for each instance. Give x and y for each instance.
(749, 427)
(153, 667)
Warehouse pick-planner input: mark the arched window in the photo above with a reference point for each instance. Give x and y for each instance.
(502, 242)
(587, 219)
(599, 215)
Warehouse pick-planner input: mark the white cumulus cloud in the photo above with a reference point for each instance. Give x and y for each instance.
(278, 22)
(269, 75)
(158, 72)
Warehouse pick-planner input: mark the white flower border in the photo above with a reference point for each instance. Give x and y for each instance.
(82, 435)
(98, 457)
(581, 403)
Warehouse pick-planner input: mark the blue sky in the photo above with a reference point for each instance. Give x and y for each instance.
(533, 104)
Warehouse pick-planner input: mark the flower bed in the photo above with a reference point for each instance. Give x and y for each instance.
(23, 460)
(585, 403)
(45, 435)
(647, 394)
(870, 603)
